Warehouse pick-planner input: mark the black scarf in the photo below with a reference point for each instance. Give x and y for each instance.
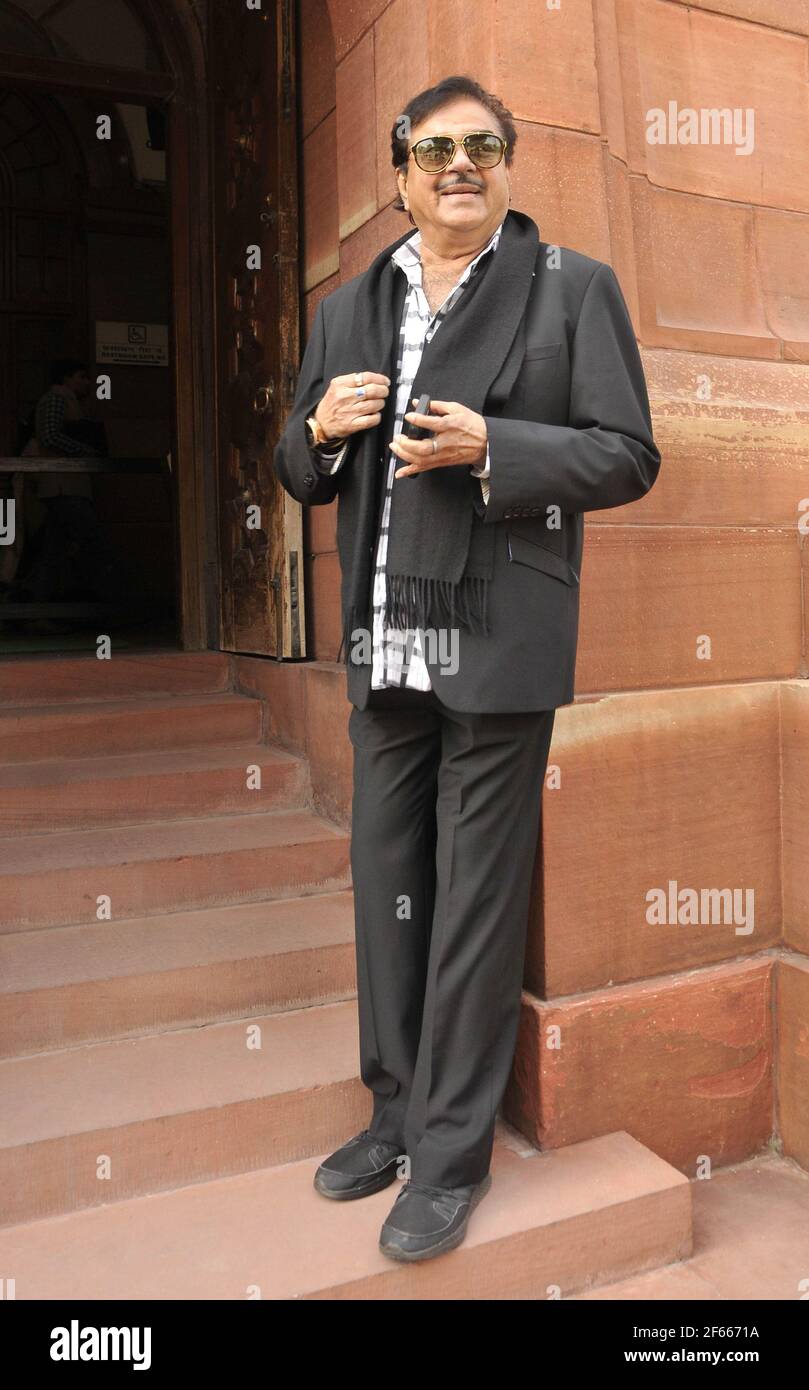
(440, 553)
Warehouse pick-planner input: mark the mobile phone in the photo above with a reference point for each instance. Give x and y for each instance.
(412, 431)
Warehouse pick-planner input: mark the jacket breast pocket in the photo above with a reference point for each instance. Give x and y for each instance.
(537, 351)
(537, 382)
(538, 557)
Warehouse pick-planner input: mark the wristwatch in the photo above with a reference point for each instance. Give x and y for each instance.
(316, 436)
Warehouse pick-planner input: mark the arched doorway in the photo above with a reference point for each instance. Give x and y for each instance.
(113, 234)
(213, 86)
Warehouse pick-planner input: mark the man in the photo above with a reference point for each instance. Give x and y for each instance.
(460, 556)
(73, 550)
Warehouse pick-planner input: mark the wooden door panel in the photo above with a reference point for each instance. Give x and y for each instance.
(255, 194)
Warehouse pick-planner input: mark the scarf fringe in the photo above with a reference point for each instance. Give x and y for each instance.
(425, 601)
(421, 601)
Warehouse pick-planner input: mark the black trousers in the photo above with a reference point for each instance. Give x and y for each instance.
(445, 829)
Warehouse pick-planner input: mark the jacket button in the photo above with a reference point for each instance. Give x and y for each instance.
(308, 479)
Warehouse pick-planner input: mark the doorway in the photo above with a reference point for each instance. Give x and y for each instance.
(179, 284)
(86, 286)
(103, 215)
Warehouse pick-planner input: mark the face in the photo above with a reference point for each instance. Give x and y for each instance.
(79, 383)
(461, 206)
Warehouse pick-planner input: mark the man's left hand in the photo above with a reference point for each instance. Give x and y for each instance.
(460, 436)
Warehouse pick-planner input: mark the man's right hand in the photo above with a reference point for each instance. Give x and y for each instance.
(342, 412)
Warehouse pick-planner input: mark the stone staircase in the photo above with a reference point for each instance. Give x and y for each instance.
(178, 1028)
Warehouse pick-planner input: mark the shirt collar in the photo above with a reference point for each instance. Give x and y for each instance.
(408, 255)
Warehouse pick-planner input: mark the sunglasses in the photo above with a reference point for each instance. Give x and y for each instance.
(435, 152)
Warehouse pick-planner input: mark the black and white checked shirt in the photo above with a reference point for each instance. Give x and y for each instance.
(398, 655)
(51, 438)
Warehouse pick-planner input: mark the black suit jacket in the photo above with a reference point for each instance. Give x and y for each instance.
(574, 436)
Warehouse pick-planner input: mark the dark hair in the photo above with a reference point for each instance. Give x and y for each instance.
(65, 366)
(432, 99)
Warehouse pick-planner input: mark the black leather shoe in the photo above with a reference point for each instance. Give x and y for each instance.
(425, 1221)
(364, 1165)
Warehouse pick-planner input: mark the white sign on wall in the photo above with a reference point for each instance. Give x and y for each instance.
(133, 344)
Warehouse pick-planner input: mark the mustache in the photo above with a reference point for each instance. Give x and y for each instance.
(461, 183)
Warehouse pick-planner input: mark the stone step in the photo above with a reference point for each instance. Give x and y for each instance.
(39, 680)
(67, 985)
(154, 722)
(168, 866)
(551, 1224)
(72, 793)
(174, 1108)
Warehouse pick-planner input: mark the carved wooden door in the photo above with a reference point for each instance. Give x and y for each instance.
(255, 200)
